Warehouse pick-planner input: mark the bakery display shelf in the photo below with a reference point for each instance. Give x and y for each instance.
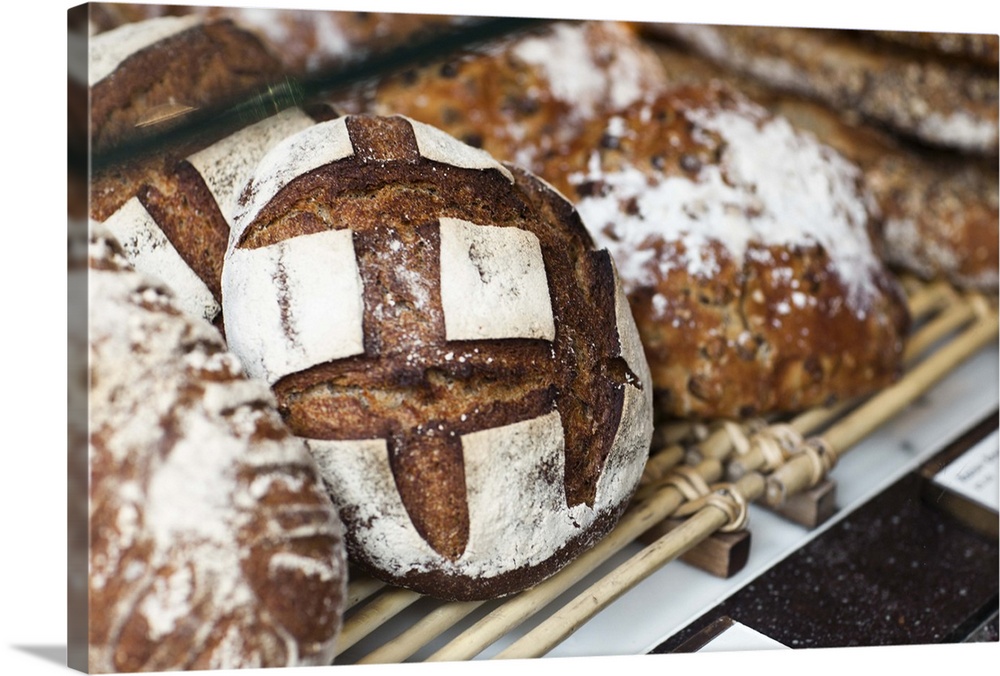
(624, 596)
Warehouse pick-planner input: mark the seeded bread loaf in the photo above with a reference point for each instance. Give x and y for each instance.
(213, 543)
(460, 360)
(939, 208)
(522, 97)
(746, 251)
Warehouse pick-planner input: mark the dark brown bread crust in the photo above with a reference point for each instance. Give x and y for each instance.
(410, 378)
(306, 41)
(977, 48)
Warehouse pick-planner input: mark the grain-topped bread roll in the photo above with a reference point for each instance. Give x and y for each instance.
(458, 357)
(939, 207)
(745, 249)
(213, 543)
(940, 210)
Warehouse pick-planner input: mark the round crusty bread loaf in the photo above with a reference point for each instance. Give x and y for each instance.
(460, 360)
(213, 543)
(745, 249)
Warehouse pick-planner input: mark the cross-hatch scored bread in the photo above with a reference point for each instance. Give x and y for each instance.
(213, 542)
(458, 356)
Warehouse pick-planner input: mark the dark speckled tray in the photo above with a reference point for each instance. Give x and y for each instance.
(896, 571)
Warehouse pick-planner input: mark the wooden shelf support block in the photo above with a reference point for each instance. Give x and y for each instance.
(811, 507)
(722, 554)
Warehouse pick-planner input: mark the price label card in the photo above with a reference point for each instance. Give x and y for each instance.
(976, 473)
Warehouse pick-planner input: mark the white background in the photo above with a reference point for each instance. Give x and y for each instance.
(33, 474)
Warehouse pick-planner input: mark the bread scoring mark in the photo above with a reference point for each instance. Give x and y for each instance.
(149, 250)
(298, 154)
(110, 48)
(312, 315)
(512, 503)
(437, 146)
(227, 165)
(493, 283)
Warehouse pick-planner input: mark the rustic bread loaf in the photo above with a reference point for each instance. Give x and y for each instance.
(169, 205)
(980, 48)
(213, 543)
(745, 249)
(460, 360)
(944, 102)
(939, 208)
(306, 41)
(171, 210)
(149, 77)
(522, 97)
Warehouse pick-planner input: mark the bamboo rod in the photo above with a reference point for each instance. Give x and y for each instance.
(598, 596)
(360, 588)
(950, 320)
(658, 465)
(796, 474)
(420, 634)
(925, 299)
(370, 617)
(716, 446)
(637, 520)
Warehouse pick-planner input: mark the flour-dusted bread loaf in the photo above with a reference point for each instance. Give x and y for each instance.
(939, 207)
(943, 101)
(459, 358)
(213, 543)
(149, 77)
(171, 209)
(940, 210)
(520, 98)
(745, 249)
(306, 41)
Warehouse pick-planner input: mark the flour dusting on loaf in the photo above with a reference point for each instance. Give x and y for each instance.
(490, 413)
(772, 186)
(213, 542)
